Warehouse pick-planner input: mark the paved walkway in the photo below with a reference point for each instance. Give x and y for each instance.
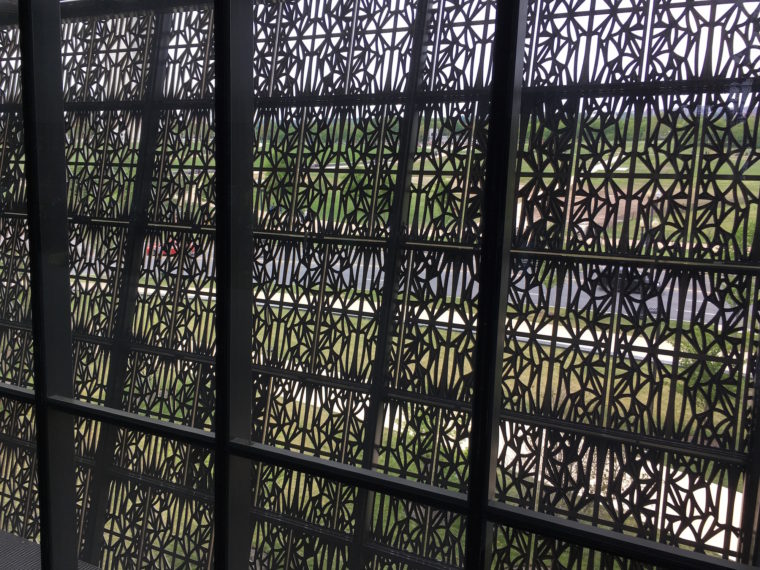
(19, 554)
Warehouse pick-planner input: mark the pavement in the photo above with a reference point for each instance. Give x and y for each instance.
(20, 554)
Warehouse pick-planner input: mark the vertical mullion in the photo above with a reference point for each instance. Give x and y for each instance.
(234, 324)
(750, 517)
(408, 134)
(44, 136)
(498, 224)
(127, 297)
(749, 545)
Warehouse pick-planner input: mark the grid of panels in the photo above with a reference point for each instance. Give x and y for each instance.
(366, 219)
(314, 527)
(19, 497)
(140, 177)
(519, 549)
(18, 470)
(159, 504)
(15, 305)
(627, 387)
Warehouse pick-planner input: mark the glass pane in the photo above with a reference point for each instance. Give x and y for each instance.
(148, 503)
(141, 189)
(303, 521)
(628, 385)
(19, 499)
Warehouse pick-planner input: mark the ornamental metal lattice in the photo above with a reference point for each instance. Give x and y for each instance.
(623, 432)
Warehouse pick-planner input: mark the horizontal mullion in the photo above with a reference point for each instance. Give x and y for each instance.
(98, 221)
(620, 436)
(359, 99)
(658, 262)
(200, 104)
(18, 393)
(308, 378)
(408, 559)
(325, 238)
(74, 9)
(632, 89)
(13, 214)
(190, 228)
(153, 225)
(145, 348)
(123, 474)
(292, 523)
(25, 325)
(183, 491)
(616, 543)
(428, 400)
(79, 336)
(171, 353)
(18, 442)
(451, 247)
(94, 106)
(131, 420)
(318, 238)
(357, 476)
(610, 174)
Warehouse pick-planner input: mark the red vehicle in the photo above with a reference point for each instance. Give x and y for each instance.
(171, 247)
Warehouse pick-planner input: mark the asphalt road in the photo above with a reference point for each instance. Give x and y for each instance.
(368, 275)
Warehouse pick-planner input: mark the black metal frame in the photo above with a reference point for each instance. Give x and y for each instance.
(136, 235)
(234, 108)
(43, 124)
(56, 406)
(498, 217)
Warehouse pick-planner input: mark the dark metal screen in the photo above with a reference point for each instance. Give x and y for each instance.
(380, 283)
(631, 321)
